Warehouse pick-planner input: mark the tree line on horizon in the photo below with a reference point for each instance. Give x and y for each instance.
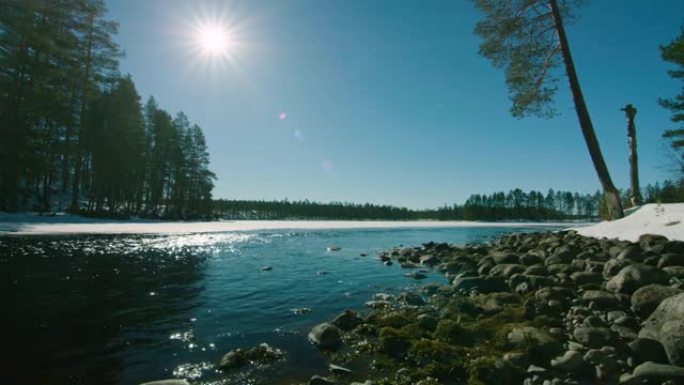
(73, 133)
(514, 205)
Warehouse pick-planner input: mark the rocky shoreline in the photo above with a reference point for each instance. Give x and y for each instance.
(533, 309)
(530, 308)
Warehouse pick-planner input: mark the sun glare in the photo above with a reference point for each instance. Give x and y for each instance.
(213, 40)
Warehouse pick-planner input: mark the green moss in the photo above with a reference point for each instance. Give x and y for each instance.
(393, 342)
(481, 370)
(452, 332)
(459, 307)
(425, 350)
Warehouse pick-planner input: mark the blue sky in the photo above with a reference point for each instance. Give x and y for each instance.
(389, 102)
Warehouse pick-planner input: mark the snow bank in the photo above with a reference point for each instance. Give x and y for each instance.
(24, 224)
(662, 219)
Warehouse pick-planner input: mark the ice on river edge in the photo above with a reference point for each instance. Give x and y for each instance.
(27, 224)
(663, 219)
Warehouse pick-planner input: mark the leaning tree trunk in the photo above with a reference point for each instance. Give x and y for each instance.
(634, 192)
(611, 194)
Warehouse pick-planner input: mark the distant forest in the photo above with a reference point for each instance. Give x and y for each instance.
(73, 133)
(513, 205)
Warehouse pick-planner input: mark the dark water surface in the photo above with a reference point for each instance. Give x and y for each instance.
(129, 309)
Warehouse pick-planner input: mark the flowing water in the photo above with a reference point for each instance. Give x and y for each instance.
(128, 309)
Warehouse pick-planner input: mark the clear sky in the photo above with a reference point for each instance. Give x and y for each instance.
(389, 102)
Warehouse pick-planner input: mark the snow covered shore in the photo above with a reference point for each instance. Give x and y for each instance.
(661, 219)
(24, 224)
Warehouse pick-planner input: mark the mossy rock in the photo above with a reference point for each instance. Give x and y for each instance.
(452, 332)
(492, 371)
(426, 322)
(393, 342)
(394, 319)
(424, 351)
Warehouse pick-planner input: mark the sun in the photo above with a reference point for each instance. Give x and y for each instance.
(213, 39)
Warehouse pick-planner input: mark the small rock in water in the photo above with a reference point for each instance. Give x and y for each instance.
(266, 268)
(318, 380)
(363, 255)
(322, 273)
(336, 369)
(333, 248)
(388, 263)
(233, 359)
(301, 310)
(347, 320)
(325, 336)
(415, 275)
(174, 381)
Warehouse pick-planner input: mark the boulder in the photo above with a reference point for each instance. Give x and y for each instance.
(409, 299)
(671, 259)
(537, 342)
(233, 359)
(570, 361)
(260, 353)
(530, 259)
(647, 298)
(325, 336)
(666, 325)
(652, 372)
(601, 300)
(649, 241)
(536, 270)
(674, 271)
(506, 269)
(428, 259)
(504, 257)
(632, 277)
(592, 337)
(532, 281)
(613, 266)
(631, 253)
(585, 277)
(482, 285)
(645, 349)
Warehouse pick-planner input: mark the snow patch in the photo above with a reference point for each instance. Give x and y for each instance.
(662, 219)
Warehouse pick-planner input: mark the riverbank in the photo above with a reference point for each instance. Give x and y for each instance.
(542, 308)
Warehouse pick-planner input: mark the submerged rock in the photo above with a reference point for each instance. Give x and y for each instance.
(325, 336)
(261, 353)
(233, 359)
(348, 320)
